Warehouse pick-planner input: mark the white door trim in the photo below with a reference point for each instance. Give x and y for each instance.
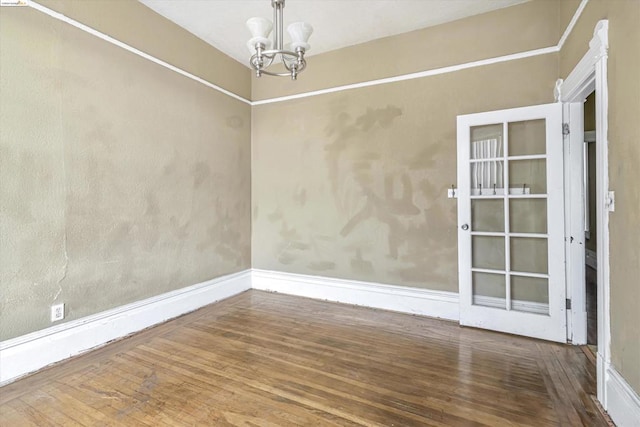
(591, 74)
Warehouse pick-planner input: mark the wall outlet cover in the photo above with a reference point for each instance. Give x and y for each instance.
(57, 312)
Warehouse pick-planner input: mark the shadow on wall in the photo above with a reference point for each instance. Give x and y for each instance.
(384, 192)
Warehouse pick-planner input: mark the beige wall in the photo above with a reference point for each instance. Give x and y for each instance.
(121, 180)
(624, 175)
(353, 184)
(131, 22)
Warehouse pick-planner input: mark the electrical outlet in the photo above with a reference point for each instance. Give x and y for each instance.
(57, 312)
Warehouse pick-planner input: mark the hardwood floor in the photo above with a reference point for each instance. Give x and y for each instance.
(261, 359)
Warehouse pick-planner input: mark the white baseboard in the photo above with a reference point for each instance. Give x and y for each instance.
(623, 403)
(395, 298)
(28, 353)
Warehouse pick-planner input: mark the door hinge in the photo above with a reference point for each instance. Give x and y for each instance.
(568, 303)
(565, 129)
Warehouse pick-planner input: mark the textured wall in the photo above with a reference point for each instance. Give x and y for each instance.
(131, 22)
(353, 184)
(624, 175)
(120, 179)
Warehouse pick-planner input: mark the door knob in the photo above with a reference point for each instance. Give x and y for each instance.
(465, 227)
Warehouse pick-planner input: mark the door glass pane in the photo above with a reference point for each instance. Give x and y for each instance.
(528, 176)
(489, 290)
(530, 294)
(486, 141)
(487, 215)
(529, 255)
(487, 178)
(528, 215)
(527, 137)
(487, 252)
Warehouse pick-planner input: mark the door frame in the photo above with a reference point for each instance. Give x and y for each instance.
(588, 75)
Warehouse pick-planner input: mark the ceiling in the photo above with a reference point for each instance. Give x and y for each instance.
(337, 23)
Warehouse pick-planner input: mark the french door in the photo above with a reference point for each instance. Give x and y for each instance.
(511, 221)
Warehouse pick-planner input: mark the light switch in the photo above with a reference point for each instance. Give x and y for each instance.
(611, 201)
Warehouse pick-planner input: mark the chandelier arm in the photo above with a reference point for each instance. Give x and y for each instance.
(297, 62)
(260, 55)
(269, 60)
(271, 54)
(276, 52)
(271, 73)
(253, 61)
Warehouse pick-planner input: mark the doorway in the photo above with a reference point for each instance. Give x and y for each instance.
(590, 229)
(589, 75)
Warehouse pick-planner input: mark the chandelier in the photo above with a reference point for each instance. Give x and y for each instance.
(265, 51)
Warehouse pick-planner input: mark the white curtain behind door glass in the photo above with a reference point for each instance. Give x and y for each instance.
(487, 175)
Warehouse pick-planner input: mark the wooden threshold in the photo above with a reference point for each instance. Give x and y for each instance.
(268, 359)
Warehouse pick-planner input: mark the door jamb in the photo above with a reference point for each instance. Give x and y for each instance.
(573, 115)
(588, 75)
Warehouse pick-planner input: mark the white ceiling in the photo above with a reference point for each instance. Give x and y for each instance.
(336, 23)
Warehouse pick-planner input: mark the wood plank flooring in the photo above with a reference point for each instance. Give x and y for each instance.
(262, 359)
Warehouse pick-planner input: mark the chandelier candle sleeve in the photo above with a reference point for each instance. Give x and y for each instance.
(264, 50)
(260, 29)
(300, 33)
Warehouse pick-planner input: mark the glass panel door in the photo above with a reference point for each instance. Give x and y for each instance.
(512, 221)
